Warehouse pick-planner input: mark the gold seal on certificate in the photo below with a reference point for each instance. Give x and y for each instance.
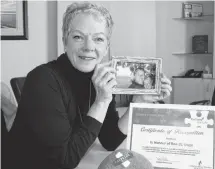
(173, 136)
(137, 75)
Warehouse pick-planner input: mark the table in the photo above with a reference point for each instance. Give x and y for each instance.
(188, 90)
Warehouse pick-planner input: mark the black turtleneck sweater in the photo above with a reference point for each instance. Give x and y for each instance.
(52, 129)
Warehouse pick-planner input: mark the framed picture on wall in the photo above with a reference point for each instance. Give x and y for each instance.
(137, 75)
(14, 25)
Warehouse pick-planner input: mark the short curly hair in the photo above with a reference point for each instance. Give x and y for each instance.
(84, 7)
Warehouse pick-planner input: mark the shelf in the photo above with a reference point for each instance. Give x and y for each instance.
(210, 54)
(209, 18)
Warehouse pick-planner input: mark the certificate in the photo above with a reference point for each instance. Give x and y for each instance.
(173, 136)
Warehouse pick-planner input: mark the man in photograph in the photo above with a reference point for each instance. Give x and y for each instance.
(138, 79)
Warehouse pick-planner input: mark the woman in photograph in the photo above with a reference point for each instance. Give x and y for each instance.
(149, 81)
(143, 77)
(67, 103)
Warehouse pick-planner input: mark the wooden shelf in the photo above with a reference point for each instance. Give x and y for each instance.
(209, 18)
(209, 54)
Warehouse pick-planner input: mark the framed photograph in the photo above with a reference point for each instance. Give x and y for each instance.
(192, 10)
(137, 75)
(14, 24)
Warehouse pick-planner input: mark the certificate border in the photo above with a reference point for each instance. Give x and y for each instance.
(165, 106)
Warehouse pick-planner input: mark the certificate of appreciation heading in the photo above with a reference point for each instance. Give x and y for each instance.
(172, 136)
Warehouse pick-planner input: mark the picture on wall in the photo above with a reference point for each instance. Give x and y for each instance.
(14, 24)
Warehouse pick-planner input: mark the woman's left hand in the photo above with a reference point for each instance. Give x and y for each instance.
(165, 92)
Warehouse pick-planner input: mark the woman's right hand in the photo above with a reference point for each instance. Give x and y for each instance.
(104, 79)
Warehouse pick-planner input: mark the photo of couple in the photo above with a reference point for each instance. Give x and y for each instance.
(136, 75)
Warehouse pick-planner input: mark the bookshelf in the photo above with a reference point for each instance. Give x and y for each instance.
(208, 18)
(192, 54)
(205, 17)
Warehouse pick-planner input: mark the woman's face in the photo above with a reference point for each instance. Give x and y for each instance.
(139, 77)
(87, 42)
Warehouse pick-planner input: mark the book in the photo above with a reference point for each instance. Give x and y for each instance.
(200, 44)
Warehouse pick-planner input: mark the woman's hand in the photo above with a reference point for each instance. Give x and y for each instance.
(165, 92)
(104, 79)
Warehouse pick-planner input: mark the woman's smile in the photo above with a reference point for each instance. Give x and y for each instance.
(88, 58)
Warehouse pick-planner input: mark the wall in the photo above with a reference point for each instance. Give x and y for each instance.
(134, 30)
(175, 36)
(21, 56)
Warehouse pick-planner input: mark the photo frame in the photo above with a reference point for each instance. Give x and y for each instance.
(14, 24)
(137, 75)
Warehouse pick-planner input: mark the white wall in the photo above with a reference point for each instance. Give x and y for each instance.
(134, 30)
(175, 36)
(18, 57)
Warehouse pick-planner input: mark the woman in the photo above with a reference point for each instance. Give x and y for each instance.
(67, 103)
